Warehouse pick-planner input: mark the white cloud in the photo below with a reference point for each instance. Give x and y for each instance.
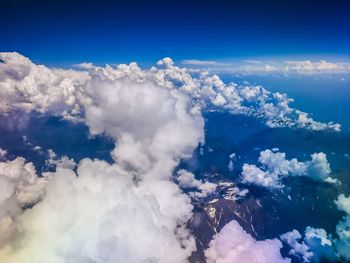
(314, 246)
(343, 203)
(101, 215)
(316, 67)
(275, 166)
(297, 248)
(152, 124)
(342, 243)
(26, 86)
(197, 62)
(187, 180)
(129, 211)
(2, 153)
(19, 187)
(320, 243)
(63, 162)
(233, 244)
(29, 87)
(274, 67)
(85, 65)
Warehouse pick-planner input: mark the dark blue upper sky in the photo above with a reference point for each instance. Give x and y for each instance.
(65, 32)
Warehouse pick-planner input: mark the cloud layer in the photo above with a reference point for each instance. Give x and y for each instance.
(30, 87)
(132, 210)
(263, 67)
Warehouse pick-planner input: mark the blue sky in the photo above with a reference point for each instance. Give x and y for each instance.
(60, 33)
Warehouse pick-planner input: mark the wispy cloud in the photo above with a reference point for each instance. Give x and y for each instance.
(84, 65)
(197, 62)
(263, 67)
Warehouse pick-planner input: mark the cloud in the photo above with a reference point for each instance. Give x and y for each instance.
(28, 87)
(276, 67)
(233, 244)
(298, 248)
(20, 186)
(62, 162)
(101, 215)
(342, 243)
(152, 124)
(197, 62)
(187, 180)
(343, 203)
(275, 166)
(2, 153)
(131, 210)
(84, 65)
(317, 67)
(314, 246)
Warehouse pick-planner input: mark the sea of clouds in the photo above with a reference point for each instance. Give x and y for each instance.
(134, 209)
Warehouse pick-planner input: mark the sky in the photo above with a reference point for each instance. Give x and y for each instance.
(61, 33)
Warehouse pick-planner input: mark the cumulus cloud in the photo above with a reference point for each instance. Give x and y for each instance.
(130, 210)
(187, 180)
(20, 186)
(298, 248)
(62, 162)
(275, 166)
(233, 244)
(314, 246)
(101, 215)
(30, 87)
(342, 243)
(153, 125)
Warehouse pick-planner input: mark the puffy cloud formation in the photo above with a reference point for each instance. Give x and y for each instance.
(62, 162)
(297, 248)
(275, 166)
(28, 87)
(320, 243)
(342, 243)
(131, 210)
(343, 203)
(19, 187)
(187, 180)
(233, 244)
(152, 124)
(101, 215)
(315, 246)
(207, 90)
